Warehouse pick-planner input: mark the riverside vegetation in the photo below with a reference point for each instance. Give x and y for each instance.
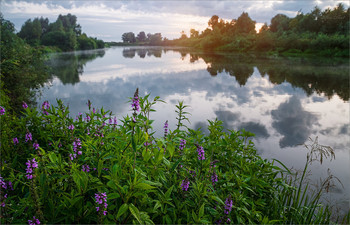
(94, 169)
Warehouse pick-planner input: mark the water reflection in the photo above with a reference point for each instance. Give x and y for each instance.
(68, 67)
(142, 52)
(313, 76)
(281, 100)
(293, 122)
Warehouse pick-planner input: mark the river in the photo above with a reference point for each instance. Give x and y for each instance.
(283, 101)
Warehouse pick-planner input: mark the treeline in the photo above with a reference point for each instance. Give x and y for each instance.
(65, 33)
(142, 39)
(318, 32)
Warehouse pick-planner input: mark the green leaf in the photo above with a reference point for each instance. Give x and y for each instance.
(99, 167)
(113, 196)
(122, 210)
(216, 198)
(135, 212)
(143, 186)
(171, 149)
(194, 216)
(168, 192)
(201, 211)
(53, 157)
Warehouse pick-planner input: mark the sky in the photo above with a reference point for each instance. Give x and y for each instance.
(108, 20)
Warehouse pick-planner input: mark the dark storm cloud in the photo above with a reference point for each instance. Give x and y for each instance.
(292, 122)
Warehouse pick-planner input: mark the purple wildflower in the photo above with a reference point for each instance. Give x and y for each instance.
(86, 168)
(28, 137)
(135, 101)
(3, 183)
(87, 118)
(166, 128)
(101, 200)
(72, 156)
(185, 184)
(78, 116)
(147, 143)
(34, 221)
(93, 110)
(15, 141)
(228, 205)
(36, 146)
(71, 127)
(2, 111)
(182, 144)
(45, 106)
(201, 153)
(214, 178)
(77, 145)
(31, 165)
(24, 105)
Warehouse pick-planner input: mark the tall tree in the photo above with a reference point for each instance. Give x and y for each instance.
(129, 37)
(244, 24)
(213, 22)
(141, 36)
(280, 22)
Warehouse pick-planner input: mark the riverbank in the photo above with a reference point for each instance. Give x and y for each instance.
(95, 169)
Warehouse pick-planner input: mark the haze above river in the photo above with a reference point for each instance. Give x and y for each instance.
(283, 101)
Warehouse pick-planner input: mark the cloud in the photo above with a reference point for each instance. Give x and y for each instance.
(112, 18)
(292, 122)
(258, 129)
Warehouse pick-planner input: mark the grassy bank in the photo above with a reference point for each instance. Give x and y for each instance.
(91, 168)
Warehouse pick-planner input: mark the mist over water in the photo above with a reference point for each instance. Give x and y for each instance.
(283, 101)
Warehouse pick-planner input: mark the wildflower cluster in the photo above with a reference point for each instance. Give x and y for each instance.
(182, 144)
(2, 111)
(28, 137)
(77, 146)
(214, 178)
(101, 200)
(201, 153)
(86, 168)
(24, 105)
(228, 205)
(31, 165)
(4, 186)
(185, 184)
(15, 140)
(135, 101)
(71, 127)
(34, 221)
(113, 121)
(36, 145)
(45, 106)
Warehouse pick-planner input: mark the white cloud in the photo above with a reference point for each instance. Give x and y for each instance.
(112, 18)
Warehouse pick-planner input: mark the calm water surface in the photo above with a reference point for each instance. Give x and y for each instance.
(283, 101)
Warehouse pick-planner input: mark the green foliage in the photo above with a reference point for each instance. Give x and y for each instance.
(316, 33)
(142, 176)
(65, 34)
(22, 67)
